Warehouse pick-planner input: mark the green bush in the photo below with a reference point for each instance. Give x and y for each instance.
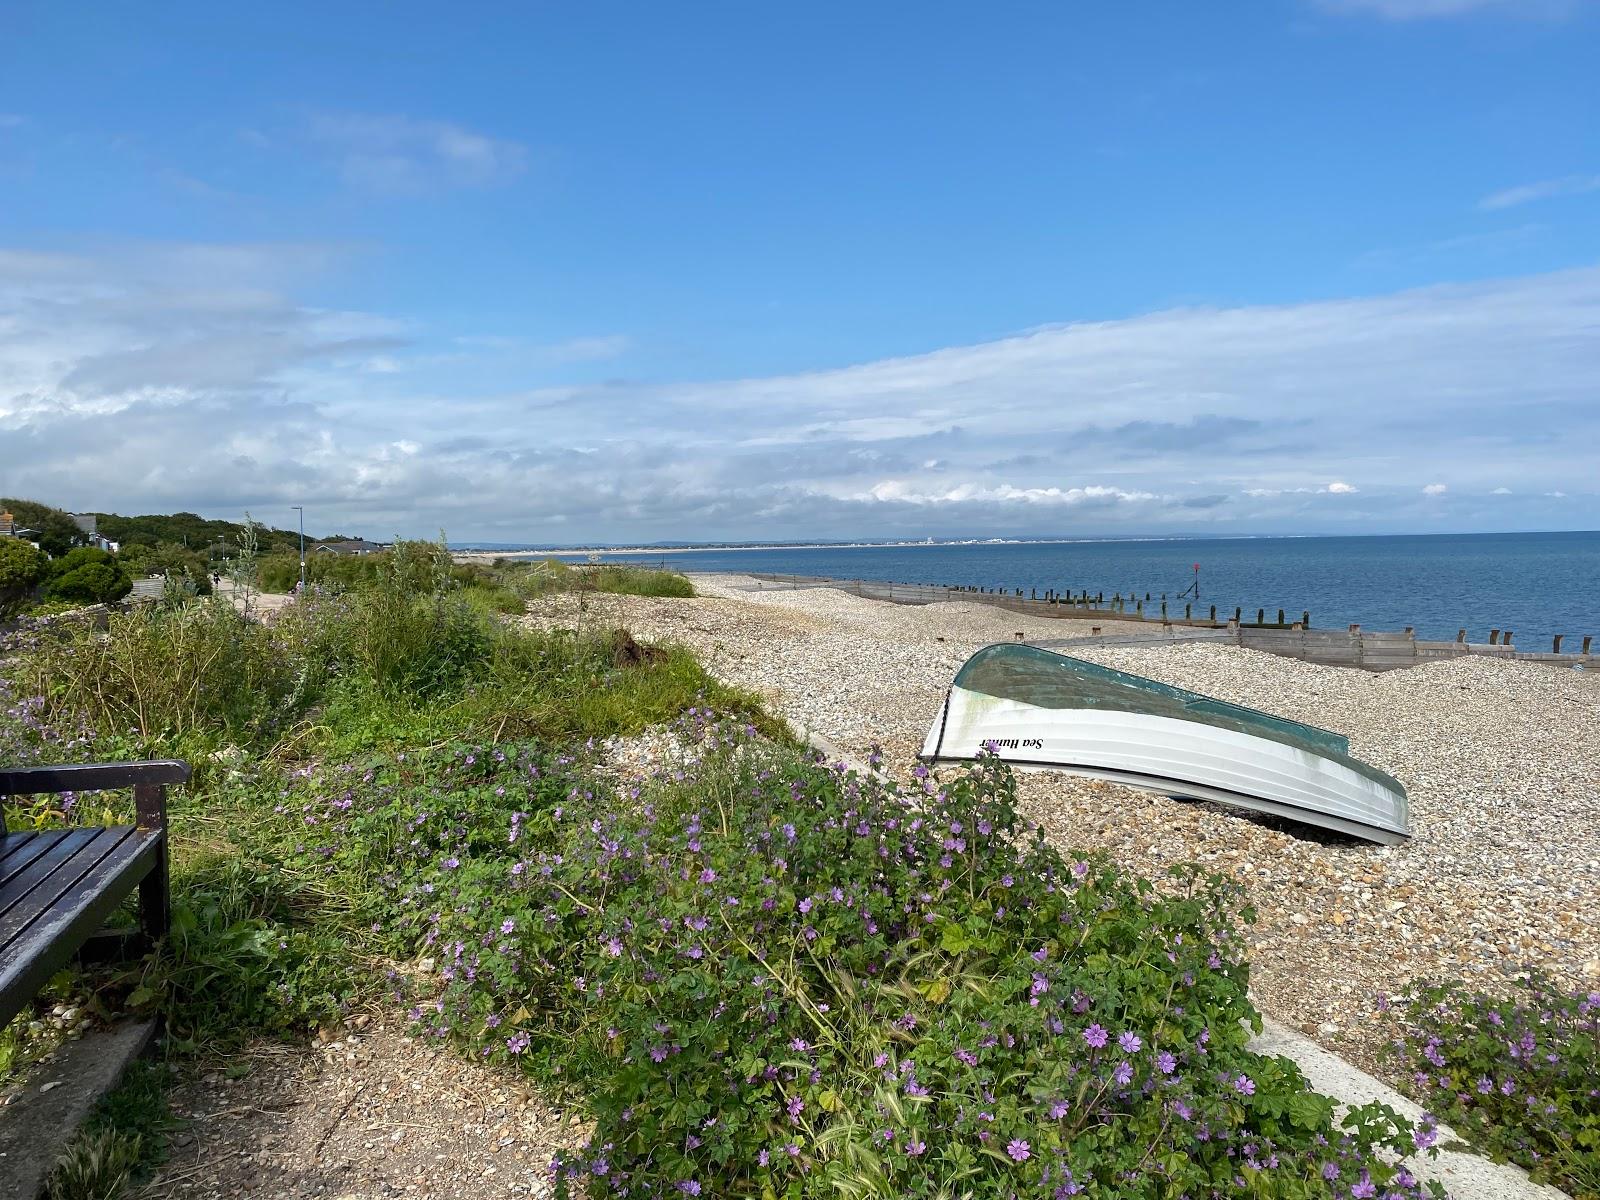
(770, 978)
(1515, 1074)
(638, 581)
(21, 568)
(87, 575)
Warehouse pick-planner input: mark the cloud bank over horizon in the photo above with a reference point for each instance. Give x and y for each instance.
(154, 377)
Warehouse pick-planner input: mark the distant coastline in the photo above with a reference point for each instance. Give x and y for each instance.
(520, 551)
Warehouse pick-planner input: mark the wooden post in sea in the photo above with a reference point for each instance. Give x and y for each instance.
(1280, 616)
(1138, 608)
(1305, 619)
(1586, 639)
(1507, 641)
(1555, 646)
(1163, 608)
(1238, 614)
(1462, 637)
(1213, 614)
(1261, 616)
(1494, 637)
(1188, 612)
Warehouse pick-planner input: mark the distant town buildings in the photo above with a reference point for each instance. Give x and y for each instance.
(350, 546)
(89, 523)
(10, 528)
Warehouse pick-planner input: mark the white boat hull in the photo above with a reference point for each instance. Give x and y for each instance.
(1174, 757)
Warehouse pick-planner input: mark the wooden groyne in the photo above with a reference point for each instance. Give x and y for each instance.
(1146, 617)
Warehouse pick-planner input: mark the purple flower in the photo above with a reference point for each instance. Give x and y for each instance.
(1165, 1063)
(1123, 1074)
(1018, 1149)
(689, 1187)
(1095, 1035)
(915, 1148)
(1130, 1043)
(1058, 1110)
(1244, 1085)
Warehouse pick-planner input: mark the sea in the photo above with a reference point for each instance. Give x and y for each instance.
(1535, 584)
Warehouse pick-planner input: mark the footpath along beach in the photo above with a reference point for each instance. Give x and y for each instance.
(1501, 761)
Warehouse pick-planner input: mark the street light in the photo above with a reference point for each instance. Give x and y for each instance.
(300, 508)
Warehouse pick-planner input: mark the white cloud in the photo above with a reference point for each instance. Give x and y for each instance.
(1501, 491)
(1568, 185)
(1435, 489)
(899, 492)
(393, 153)
(164, 377)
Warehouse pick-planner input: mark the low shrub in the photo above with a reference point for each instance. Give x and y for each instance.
(772, 978)
(638, 581)
(86, 575)
(1518, 1075)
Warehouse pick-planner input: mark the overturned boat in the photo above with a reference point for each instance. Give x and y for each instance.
(1040, 710)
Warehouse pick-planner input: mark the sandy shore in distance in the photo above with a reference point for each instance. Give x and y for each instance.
(1501, 761)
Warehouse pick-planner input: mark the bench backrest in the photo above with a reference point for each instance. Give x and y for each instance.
(91, 777)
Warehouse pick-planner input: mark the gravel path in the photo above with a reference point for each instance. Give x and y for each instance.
(365, 1116)
(1501, 761)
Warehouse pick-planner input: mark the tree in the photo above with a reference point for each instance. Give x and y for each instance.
(57, 531)
(87, 575)
(21, 568)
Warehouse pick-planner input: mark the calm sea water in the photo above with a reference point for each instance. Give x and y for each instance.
(1537, 584)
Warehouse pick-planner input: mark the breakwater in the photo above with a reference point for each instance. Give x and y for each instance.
(1148, 618)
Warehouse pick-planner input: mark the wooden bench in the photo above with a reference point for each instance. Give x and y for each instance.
(58, 886)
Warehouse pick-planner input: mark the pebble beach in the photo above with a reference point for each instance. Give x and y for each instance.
(1501, 761)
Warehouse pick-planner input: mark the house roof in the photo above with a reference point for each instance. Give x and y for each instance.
(348, 546)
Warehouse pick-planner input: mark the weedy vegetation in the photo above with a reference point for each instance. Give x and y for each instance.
(1519, 1074)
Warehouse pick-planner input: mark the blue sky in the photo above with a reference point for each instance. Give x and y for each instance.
(639, 271)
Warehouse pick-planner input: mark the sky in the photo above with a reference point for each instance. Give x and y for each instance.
(624, 272)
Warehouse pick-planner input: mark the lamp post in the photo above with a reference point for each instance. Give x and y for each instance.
(300, 508)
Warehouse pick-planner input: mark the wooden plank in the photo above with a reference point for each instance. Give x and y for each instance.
(27, 853)
(45, 945)
(10, 843)
(91, 870)
(90, 777)
(32, 886)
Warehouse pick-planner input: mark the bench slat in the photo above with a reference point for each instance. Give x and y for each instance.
(51, 875)
(10, 843)
(28, 851)
(34, 946)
